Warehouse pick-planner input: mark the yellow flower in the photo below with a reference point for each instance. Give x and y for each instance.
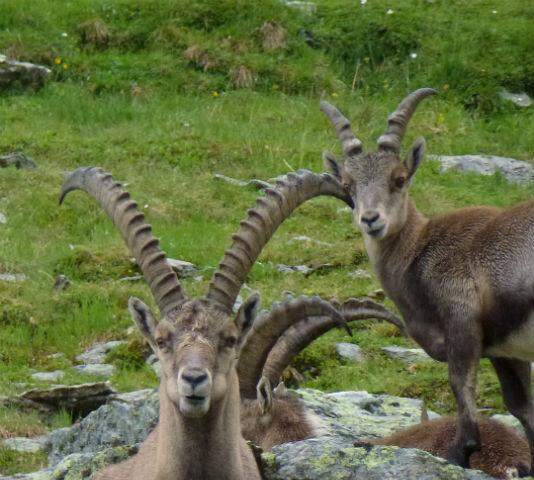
(65, 66)
(214, 94)
(57, 60)
(446, 87)
(441, 118)
(334, 94)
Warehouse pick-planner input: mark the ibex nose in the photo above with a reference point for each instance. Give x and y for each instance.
(369, 217)
(194, 377)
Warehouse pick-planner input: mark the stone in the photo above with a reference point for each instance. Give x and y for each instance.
(3, 218)
(510, 421)
(21, 75)
(293, 268)
(12, 277)
(153, 361)
(101, 369)
(349, 351)
(54, 376)
(307, 7)
(182, 268)
(98, 352)
(407, 355)
(304, 238)
(519, 99)
(515, 171)
(61, 283)
(19, 160)
(359, 274)
(23, 444)
(79, 399)
(254, 183)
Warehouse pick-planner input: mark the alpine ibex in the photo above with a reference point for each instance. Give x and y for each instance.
(463, 281)
(197, 341)
(503, 453)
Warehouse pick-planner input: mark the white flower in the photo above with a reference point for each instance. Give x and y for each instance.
(413, 55)
(389, 12)
(363, 2)
(2, 58)
(494, 12)
(64, 34)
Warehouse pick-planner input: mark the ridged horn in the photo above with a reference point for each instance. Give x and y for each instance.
(137, 234)
(262, 221)
(398, 120)
(298, 336)
(267, 329)
(349, 143)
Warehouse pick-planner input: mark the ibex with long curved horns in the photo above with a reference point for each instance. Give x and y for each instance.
(463, 281)
(197, 341)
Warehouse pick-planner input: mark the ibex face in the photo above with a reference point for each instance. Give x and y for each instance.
(197, 346)
(378, 182)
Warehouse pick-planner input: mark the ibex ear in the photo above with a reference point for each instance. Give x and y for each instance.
(332, 164)
(415, 156)
(247, 314)
(143, 318)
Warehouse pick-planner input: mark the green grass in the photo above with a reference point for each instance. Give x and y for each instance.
(139, 107)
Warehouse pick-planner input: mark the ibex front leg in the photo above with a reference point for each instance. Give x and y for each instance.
(514, 376)
(463, 356)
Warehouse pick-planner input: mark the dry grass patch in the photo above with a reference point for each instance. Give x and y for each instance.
(242, 77)
(273, 36)
(94, 34)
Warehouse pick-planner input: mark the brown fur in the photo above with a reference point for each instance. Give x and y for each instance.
(286, 421)
(502, 450)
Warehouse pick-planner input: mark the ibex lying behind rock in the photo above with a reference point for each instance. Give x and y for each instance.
(198, 341)
(463, 281)
(503, 453)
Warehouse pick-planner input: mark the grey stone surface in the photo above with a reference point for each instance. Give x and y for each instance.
(153, 361)
(305, 238)
(101, 369)
(19, 160)
(54, 376)
(408, 355)
(61, 283)
(12, 277)
(308, 7)
(360, 273)
(516, 171)
(519, 99)
(181, 267)
(23, 444)
(19, 75)
(97, 353)
(349, 351)
(3, 219)
(510, 421)
(254, 183)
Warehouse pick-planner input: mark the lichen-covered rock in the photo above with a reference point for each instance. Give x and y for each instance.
(126, 420)
(407, 355)
(327, 458)
(20, 75)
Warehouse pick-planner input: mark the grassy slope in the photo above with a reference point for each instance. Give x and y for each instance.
(158, 121)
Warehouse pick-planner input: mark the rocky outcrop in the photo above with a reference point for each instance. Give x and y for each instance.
(21, 75)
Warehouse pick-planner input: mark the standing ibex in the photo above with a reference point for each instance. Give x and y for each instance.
(197, 341)
(463, 281)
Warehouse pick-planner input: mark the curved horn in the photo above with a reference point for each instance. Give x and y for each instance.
(298, 336)
(266, 331)
(137, 234)
(261, 223)
(349, 143)
(398, 120)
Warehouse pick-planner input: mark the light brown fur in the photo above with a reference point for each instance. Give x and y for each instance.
(502, 450)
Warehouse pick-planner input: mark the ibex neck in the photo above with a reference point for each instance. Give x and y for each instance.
(207, 447)
(397, 251)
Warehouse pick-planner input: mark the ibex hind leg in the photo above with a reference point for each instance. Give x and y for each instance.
(514, 376)
(463, 355)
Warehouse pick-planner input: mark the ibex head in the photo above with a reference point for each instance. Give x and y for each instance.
(197, 347)
(198, 341)
(378, 182)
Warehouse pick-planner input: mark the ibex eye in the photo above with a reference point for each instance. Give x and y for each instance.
(160, 342)
(230, 342)
(399, 182)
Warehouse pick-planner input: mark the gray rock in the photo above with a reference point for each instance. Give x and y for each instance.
(510, 421)
(17, 75)
(293, 268)
(181, 267)
(80, 399)
(360, 273)
(304, 238)
(153, 361)
(102, 369)
(3, 219)
(54, 376)
(329, 458)
(18, 159)
(408, 355)
(519, 99)
(61, 283)
(255, 183)
(125, 420)
(12, 277)
(349, 351)
(515, 171)
(307, 7)
(23, 444)
(98, 352)
(133, 278)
